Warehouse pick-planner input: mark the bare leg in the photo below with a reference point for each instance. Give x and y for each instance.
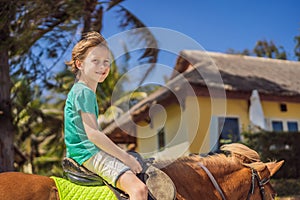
(134, 187)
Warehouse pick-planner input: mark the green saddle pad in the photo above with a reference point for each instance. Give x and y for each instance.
(71, 191)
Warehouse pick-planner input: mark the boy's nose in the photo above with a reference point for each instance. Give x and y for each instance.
(104, 65)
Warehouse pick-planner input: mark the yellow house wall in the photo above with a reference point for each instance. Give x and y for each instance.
(170, 119)
(218, 108)
(272, 110)
(197, 136)
(191, 122)
(238, 108)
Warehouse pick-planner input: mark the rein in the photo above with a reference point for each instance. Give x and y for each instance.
(254, 176)
(213, 180)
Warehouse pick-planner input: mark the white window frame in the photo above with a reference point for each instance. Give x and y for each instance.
(284, 123)
(214, 129)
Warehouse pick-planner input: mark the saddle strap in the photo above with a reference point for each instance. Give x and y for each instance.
(213, 180)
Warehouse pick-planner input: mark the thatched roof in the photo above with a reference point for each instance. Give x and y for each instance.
(242, 73)
(235, 74)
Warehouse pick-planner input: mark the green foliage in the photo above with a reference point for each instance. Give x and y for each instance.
(39, 130)
(286, 187)
(36, 35)
(278, 146)
(267, 49)
(297, 47)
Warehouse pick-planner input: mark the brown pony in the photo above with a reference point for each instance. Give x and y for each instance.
(239, 176)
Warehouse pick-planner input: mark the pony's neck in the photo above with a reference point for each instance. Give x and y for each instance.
(237, 183)
(232, 176)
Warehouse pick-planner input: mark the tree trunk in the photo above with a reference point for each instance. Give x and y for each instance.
(87, 15)
(6, 123)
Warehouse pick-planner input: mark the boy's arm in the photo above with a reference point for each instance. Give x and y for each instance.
(104, 143)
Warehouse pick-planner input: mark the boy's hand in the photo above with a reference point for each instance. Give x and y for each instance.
(133, 164)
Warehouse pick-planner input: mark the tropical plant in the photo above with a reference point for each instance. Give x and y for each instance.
(263, 48)
(297, 47)
(39, 127)
(34, 38)
(267, 49)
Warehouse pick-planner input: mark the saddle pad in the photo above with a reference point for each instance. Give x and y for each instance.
(71, 191)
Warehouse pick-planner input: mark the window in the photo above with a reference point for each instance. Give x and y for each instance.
(283, 107)
(229, 133)
(292, 126)
(280, 125)
(277, 126)
(161, 139)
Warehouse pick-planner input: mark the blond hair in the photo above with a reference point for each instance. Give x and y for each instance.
(79, 52)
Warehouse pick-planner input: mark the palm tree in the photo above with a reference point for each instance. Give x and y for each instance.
(32, 31)
(38, 126)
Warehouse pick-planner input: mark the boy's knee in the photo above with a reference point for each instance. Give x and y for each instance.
(141, 190)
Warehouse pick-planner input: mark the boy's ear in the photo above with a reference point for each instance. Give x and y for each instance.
(78, 64)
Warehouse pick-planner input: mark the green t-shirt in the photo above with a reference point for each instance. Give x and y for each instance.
(80, 99)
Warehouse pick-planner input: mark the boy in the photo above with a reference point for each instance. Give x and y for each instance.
(84, 142)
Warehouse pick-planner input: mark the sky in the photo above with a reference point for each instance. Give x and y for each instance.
(218, 25)
(215, 25)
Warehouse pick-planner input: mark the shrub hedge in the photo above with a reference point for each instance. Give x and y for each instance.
(286, 187)
(278, 146)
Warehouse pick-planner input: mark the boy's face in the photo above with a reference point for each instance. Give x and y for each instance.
(95, 67)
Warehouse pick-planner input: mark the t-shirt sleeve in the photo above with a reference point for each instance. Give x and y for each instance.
(85, 101)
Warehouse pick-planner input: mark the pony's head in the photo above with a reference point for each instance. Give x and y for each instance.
(261, 173)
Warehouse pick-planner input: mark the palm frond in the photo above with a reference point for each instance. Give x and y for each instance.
(141, 34)
(113, 3)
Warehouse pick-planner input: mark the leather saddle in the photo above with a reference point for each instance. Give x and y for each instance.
(150, 175)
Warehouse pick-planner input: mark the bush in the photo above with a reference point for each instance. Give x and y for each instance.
(286, 187)
(278, 146)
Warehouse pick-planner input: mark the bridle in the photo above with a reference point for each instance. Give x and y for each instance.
(260, 182)
(254, 177)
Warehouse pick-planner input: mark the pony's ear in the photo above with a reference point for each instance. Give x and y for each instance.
(274, 167)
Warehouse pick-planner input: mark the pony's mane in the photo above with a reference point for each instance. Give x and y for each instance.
(241, 151)
(239, 156)
(245, 155)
